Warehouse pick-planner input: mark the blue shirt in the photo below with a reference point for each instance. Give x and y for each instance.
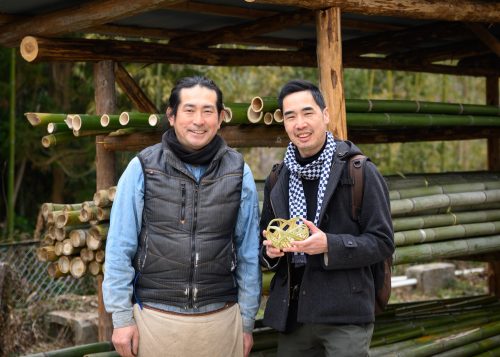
(122, 243)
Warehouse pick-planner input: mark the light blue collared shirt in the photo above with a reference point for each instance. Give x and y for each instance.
(122, 243)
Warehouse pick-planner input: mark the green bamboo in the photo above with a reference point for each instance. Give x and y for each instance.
(51, 207)
(77, 351)
(407, 106)
(57, 128)
(54, 139)
(473, 348)
(12, 147)
(439, 189)
(391, 120)
(82, 133)
(494, 352)
(126, 131)
(86, 122)
(448, 201)
(444, 250)
(44, 118)
(157, 120)
(446, 233)
(110, 121)
(134, 119)
(103, 354)
(238, 113)
(447, 219)
(264, 104)
(395, 182)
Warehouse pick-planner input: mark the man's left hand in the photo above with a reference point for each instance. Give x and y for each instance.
(247, 343)
(315, 244)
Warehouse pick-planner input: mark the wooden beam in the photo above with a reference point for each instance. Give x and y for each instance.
(331, 82)
(133, 91)
(219, 10)
(457, 10)
(232, 34)
(105, 102)
(275, 136)
(76, 18)
(485, 36)
(42, 49)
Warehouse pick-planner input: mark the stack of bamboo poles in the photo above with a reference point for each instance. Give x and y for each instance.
(75, 235)
(63, 127)
(361, 114)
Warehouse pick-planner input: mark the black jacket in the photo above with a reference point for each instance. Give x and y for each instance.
(337, 287)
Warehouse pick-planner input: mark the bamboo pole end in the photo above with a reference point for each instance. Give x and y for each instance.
(29, 48)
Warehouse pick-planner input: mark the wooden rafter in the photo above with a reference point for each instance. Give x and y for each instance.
(456, 10)
(41, 49)
(133, 91)
(76, 18)
(407, 39)
(230, 34)
(485, 36)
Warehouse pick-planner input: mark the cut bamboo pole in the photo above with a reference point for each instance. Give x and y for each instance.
(44, 118)
(68, 218)
(473, 348)
(227, 114)
(157, 120)
(63, 263)
(87, 255)
(50, 207)
(447, 219)
(68, 248)
(93, 243)
(54, 271)
(134, 119)
(95, 268)
(89, 213)
(46, 254)
(444, 250)
(86, 122)
(101, 198)
(238, 113)
(264, 104)
(48, 239)
(81, 133)
(112, 193)
(69, 121)
(103, 213)
(99, 256)
(446, 233)
(110, 121)
(54, 139)
(77, 267)
(78, 237)
(99, 231)
(53, 128)
(443, 189)
(268, 118)
(254, 117)
(391, 120)
(72, 207)
(58, 247)
(278, 116)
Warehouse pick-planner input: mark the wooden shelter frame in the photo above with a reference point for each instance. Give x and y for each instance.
(478, 57)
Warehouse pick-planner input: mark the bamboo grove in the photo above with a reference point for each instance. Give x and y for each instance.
(361, 114)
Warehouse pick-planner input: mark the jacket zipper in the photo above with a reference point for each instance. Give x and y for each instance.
(191, 296)
(183, 204)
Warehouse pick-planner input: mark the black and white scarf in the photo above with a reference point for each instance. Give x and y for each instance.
(319, 168)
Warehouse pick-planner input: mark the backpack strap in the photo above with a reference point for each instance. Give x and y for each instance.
(356, 165)
(273, 176)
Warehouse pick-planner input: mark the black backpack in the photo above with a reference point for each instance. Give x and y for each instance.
(382, 270)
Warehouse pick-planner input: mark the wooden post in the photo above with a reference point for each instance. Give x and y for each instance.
(492, 94)
(105, 100)
(329, 55)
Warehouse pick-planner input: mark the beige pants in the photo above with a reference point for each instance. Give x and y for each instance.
(219, 334)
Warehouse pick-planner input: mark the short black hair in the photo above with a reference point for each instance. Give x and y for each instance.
(190, 82)
(299, 85)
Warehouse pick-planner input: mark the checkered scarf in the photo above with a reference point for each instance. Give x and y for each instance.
(320, 168)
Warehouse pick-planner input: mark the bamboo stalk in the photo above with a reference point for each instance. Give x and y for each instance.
(57, 128)
(64, 232)
(447, 219)
(473, 348)
(72, 207)
(452, 200)
(99, 256)
(48, 239)
(278, 116)
(101, 198)
(95, 268)
(78, 350)
(93, 243)
(82, 133)
(87, 255)
(63, 263)
(99, 231)
(494, 352)
(68, 248)
(54, 271)
(89, 213)
(264, 104)
(448, 249)
(50, 207)
(128, 131)
(134, 119)
(77, 268)
(443, 189)
(157, 120)
(103, 213)
(254, 117)
(44, 118)
(238, 113)
(78, 237)
(69, 121)
(54, 139)
(46, 254)
(68, 218)
(58, 247)
(112, 193)
(110, 121)
(446, 233)
(86, 122)
(268, 118)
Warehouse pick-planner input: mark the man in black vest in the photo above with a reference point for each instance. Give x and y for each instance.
(181, 275)
(322, 294)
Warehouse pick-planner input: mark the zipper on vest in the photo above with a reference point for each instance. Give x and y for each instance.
(192, 296)
(183, 203)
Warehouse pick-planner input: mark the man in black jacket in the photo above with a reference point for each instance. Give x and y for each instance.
(322, 295)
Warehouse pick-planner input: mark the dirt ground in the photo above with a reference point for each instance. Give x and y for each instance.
(26, 332)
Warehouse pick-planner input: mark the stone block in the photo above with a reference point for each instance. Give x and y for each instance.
(432, 277)
(82, 325)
